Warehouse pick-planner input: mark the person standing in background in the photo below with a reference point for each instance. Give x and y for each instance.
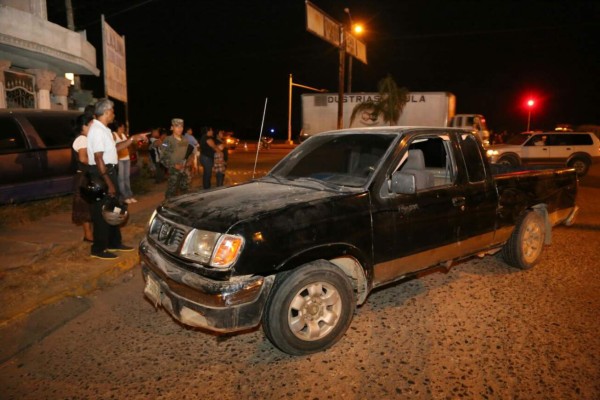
(174, 156)
(208, 147)
(82, 212)
(221, 157)
(189, 135)
(124, 163)
(154, 145)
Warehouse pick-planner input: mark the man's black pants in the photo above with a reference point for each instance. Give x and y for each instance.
(105, 236)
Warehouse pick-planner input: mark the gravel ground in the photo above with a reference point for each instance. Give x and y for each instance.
(480, 331)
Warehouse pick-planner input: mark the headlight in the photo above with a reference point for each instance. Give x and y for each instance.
(211, 248)
(491, 153)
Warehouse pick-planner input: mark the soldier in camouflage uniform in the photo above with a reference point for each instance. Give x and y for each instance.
(176, 151)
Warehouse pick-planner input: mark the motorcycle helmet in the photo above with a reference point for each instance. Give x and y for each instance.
(94, 189)
(114, 212)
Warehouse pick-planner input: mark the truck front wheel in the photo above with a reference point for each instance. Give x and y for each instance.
(309, 309)
(525, 245)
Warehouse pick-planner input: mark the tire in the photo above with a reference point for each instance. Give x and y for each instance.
(309, 309)
(526, 243)
(509, 160)
(581, 165)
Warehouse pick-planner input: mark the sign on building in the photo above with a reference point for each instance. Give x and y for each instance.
(115, 71)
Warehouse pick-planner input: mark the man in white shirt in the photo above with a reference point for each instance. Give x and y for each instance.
(103, 162)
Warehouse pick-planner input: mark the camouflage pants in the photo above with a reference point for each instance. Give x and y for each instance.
(178, 183)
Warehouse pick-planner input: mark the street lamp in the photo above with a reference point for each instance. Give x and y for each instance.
(292, 84)
(530, 104)
(358, 29)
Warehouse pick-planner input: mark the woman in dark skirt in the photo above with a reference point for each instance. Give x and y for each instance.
(81, 208)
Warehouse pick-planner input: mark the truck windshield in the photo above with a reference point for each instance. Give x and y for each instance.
(340, 159)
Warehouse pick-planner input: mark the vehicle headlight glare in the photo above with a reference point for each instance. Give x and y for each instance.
(491, 153)
(199, 246)
(212, 248)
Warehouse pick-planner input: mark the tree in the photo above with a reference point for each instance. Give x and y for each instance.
(390, 104)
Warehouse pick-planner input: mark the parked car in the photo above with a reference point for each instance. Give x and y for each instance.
(36, 159)
(342, 214)
(577, 150)
(231, 142)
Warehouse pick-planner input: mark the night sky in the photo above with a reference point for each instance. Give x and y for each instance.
(215, 62)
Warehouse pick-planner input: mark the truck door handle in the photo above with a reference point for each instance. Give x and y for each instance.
(459, 202)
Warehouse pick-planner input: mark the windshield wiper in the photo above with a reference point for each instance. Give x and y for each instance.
(278, 179)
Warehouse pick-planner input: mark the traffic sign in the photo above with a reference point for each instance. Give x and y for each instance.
(327, 28)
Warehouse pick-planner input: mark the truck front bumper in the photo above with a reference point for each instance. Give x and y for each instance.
(192, 299)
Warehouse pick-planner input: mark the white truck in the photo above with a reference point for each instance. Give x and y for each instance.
(435, 109)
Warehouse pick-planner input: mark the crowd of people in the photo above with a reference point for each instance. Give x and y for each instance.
(101, 149)
(178, 155)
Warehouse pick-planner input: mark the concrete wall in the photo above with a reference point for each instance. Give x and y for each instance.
(27, 38)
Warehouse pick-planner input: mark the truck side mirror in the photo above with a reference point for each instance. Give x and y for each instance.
(403, 183)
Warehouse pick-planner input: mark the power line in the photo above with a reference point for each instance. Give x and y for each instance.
(95, 21)
(491, 32)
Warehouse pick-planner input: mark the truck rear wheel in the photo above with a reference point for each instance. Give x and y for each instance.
(525, 245)
(309, 309)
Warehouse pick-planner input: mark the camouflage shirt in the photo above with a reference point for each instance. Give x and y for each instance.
(173, 151)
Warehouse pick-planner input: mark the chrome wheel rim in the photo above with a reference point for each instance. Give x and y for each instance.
(533, 238)
(314, 311)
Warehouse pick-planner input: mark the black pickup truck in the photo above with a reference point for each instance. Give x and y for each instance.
(343, 213)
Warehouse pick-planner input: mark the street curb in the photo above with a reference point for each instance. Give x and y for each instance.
(91, 283)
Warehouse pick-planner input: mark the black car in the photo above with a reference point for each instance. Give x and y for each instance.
(36, 159)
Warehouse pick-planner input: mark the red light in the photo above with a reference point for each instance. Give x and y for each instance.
(530, 103)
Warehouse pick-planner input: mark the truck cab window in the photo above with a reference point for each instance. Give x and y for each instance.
(473, 158)
(428, 159)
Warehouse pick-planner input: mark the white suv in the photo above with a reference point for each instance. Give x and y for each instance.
(577, 150)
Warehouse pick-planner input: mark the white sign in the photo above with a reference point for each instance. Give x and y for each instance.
(325, 27)
(322, 25)
(115, 71)
(356, 48)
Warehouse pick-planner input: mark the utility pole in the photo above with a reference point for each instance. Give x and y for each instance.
(340, 115)
(70, 19)
(327, 28)
(292, 84)
(71, 26)
(349, 87)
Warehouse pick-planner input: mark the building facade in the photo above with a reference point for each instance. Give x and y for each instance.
(35, 54)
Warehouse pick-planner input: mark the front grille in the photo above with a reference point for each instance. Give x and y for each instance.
(167, 234)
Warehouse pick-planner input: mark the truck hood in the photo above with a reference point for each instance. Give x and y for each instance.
(218, 209)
